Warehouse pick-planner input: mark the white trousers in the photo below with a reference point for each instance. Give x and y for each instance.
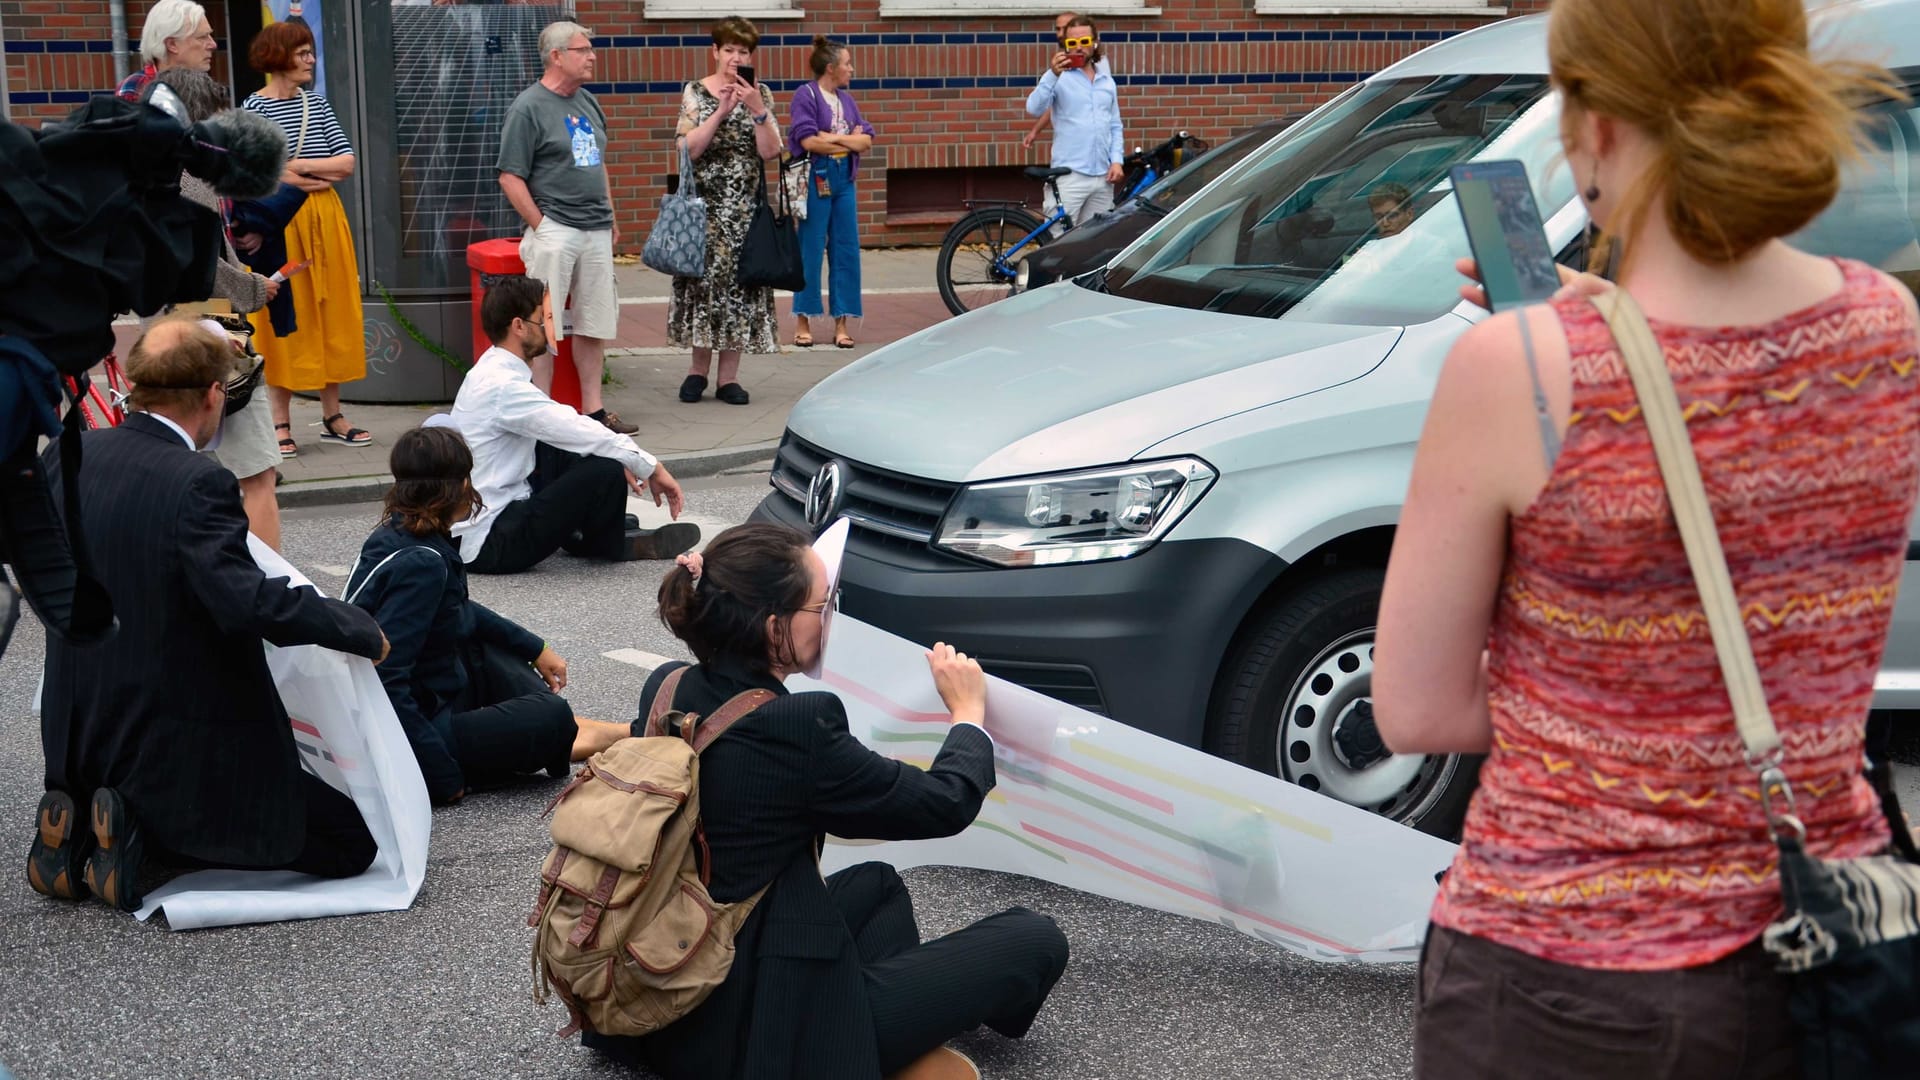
(1083, 195)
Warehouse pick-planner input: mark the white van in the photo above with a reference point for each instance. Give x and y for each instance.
(1165, 491)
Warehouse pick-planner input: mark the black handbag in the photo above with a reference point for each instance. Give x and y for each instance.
(1850, 936)
(770, 255)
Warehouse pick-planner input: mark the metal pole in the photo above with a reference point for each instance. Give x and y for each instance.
(6, 92)
(117, 9)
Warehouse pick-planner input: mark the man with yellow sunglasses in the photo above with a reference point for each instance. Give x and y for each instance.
(1060, 24)
(1088, 137)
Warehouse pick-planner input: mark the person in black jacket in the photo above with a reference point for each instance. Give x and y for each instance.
(830, 978)
(477, 694)
(173, 725)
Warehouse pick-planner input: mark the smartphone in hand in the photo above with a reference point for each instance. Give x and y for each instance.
(746, 72)
(1506, 234)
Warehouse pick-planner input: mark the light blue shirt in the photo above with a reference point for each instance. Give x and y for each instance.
(1086, 119)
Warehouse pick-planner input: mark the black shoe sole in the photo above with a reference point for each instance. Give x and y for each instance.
(113, 870)
(54, 861)
(662, 543)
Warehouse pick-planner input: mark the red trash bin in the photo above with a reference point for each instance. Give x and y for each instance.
(492, 258)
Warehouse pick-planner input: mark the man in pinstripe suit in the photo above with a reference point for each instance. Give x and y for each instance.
(172, 730)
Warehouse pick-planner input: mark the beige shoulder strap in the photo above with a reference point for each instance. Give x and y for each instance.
(306, 113)
(1660, 406)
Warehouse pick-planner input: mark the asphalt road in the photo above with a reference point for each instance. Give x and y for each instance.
(444, 988)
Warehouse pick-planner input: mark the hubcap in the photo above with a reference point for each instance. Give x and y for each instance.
(1328, 741)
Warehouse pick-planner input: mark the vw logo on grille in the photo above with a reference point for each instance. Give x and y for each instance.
(824, 494)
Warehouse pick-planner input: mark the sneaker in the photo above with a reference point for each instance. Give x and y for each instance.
(612, 422)
(113, 870)
(662, 543)
(54, 860)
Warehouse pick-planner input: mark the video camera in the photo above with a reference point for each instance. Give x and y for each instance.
(92, 223)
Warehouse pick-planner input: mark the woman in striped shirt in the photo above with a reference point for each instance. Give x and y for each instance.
(328, 346)
(1602, 917)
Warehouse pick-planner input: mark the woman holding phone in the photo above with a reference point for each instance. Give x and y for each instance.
(1602, 917)
(728, 124)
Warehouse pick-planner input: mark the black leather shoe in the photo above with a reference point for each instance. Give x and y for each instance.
(56, 857)
(631, 522)
(662, 543)
(113, 870)
(732, 393)
(692, 387)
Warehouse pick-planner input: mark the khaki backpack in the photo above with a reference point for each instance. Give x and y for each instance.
(625, 931)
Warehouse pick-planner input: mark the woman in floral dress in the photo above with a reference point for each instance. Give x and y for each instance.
(731, 133)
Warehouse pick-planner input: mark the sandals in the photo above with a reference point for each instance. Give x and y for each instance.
(288, 448)
(803, 340)
(353, 437)
(841, 339)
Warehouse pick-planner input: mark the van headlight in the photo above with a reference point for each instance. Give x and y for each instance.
(1110, 513)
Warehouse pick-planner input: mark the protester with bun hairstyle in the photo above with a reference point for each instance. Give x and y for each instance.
(830, 980)
(1601, 917)
(826, 127)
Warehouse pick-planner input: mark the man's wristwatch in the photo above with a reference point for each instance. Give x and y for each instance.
(762, 118)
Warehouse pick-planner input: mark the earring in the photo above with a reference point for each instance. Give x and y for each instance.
(1593, 190)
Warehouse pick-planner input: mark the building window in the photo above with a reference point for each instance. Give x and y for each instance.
(1040, 9)
(1378, 7)
(706, 11)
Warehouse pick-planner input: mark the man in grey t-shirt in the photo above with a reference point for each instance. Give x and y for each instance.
(554, 172)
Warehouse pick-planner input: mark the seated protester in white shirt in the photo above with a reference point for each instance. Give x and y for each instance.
(577, 497)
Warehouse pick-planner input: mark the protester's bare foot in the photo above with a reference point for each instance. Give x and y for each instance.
(593, 736)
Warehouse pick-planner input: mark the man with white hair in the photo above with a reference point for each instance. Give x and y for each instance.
(176, 34)
(553, 170)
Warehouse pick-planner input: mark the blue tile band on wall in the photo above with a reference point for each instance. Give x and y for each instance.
(805, 41)
(1019, 82)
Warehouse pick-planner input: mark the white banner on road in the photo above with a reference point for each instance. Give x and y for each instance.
(348, 736)
(1090, 803)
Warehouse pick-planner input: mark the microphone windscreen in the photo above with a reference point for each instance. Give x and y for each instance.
(256, 154)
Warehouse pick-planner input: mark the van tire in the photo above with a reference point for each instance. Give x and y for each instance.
(1313, 631)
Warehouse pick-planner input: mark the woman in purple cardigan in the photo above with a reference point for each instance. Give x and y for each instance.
(825, 124)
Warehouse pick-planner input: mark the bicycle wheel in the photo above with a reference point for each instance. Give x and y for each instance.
(980, 256)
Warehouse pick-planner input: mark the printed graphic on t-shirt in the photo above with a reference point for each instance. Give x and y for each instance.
(586, 150)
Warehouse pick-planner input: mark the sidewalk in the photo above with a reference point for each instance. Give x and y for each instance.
(899, 299)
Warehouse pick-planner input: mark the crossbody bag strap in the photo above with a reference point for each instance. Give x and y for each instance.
(1660, 407)
(306, 113)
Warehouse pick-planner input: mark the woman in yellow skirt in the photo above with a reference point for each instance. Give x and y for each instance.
(328, 346)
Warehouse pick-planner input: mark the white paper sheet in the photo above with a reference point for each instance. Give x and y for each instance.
(1087, 802)
(349, 737)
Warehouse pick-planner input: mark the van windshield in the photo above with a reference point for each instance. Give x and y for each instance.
(1349, 217)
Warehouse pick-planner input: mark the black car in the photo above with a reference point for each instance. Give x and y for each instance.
(1094, 244)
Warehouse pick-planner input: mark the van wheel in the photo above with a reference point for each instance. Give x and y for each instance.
(1295, 701)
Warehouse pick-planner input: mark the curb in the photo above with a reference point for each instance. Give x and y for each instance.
(355, 489)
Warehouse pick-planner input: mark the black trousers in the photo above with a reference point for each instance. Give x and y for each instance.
(337, 843)
(572, 494)
(997, 972)
(509, 722)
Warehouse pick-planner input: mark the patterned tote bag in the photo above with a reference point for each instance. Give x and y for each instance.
(678, 243)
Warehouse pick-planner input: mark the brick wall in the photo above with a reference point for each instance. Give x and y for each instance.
(942, 92)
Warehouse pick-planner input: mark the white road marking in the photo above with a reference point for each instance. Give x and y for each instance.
(914, 290)
(639, 658)
(331, 571)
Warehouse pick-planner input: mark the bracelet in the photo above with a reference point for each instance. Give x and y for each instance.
(762, 118)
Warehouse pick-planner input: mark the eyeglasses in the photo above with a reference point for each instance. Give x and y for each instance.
(580, 48)
(1077, 42)
(304, 54)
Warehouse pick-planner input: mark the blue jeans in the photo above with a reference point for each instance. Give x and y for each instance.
(833, 228)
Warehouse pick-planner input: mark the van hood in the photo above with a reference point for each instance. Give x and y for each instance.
(1064, 377)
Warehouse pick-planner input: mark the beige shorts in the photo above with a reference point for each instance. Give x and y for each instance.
(577, 267)
(247, 446)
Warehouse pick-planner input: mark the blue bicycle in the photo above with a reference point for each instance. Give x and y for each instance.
(980, 257)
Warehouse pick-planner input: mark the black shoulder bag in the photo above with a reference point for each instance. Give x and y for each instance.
(770, 255)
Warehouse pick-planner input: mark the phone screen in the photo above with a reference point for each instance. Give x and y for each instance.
(746, 72)
(1504, 229)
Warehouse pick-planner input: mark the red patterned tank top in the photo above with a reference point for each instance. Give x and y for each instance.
(1616, 824)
